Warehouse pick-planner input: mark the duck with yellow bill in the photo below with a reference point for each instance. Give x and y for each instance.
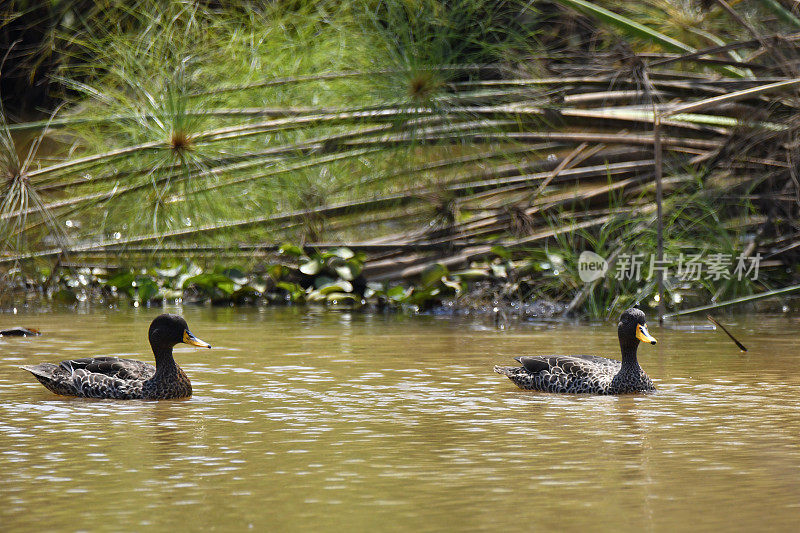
(589, 374)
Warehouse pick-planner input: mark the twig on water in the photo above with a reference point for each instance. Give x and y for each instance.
(723, 328)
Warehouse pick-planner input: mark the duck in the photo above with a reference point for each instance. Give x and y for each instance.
(20, 332)
(126, 379)
(589, 374)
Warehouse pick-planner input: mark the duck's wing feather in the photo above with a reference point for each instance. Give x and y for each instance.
(97, 385)
(112, 367)
(92, 377)
(568, 364)
(598, 360)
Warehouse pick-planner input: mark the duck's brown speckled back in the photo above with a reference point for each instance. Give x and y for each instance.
(589, 374)
(126, 379)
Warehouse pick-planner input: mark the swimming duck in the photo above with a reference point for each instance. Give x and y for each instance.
(589, 374)
(126, 379)
(19, 332)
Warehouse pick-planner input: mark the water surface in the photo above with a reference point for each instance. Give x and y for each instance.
(344, 421)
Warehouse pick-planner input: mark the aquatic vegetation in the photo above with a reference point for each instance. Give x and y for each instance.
(419, 135)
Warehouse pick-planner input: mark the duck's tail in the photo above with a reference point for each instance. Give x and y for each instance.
(51, 376)
(517, 374)
(44, 370)
(506, 370)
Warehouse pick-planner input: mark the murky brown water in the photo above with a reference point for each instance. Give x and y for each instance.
(338, 421)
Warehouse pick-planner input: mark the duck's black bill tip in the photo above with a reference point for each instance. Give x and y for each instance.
(190, 339)
(643, 335)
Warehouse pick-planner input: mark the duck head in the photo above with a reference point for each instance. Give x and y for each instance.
(632, 328)
(168, 330)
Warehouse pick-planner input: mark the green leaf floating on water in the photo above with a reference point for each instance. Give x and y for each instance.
(433, 275)
(208, 282)
(289, 286)
(123, 282)
(471, 274)
(398, 293)
(246, 292)
(321, 281)
(142, 287)
(277, 272)
(332, 293)
(169, 272)
(312, 267)
(236, 274)
(337, 286)
(296, 292)
(341, 297)
(315, 296)
(346, 272)
(146, 288)
(422, 296)
(456, 286)
(343, 253)
(291, 249)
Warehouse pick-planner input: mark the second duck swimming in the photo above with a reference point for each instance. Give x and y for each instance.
(589, 374)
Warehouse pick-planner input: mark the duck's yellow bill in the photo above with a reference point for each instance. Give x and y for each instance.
(643, 335)
(188, 338)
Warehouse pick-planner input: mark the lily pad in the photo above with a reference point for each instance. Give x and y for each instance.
(208, 282)
(169, 272)
(398, 293)
(341, 297)
(433, 275)
(348, 271)
(343, 253)
(471, 274)
(146, 288)
(456, 286)
(236, 275)
(312, 267)
(296, 292)
(291, 249)
(277, 272)
(337, 286)
(245, 292)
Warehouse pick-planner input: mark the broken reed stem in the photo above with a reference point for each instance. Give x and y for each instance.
(659, 173)
(728, 333)
(743, 299)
